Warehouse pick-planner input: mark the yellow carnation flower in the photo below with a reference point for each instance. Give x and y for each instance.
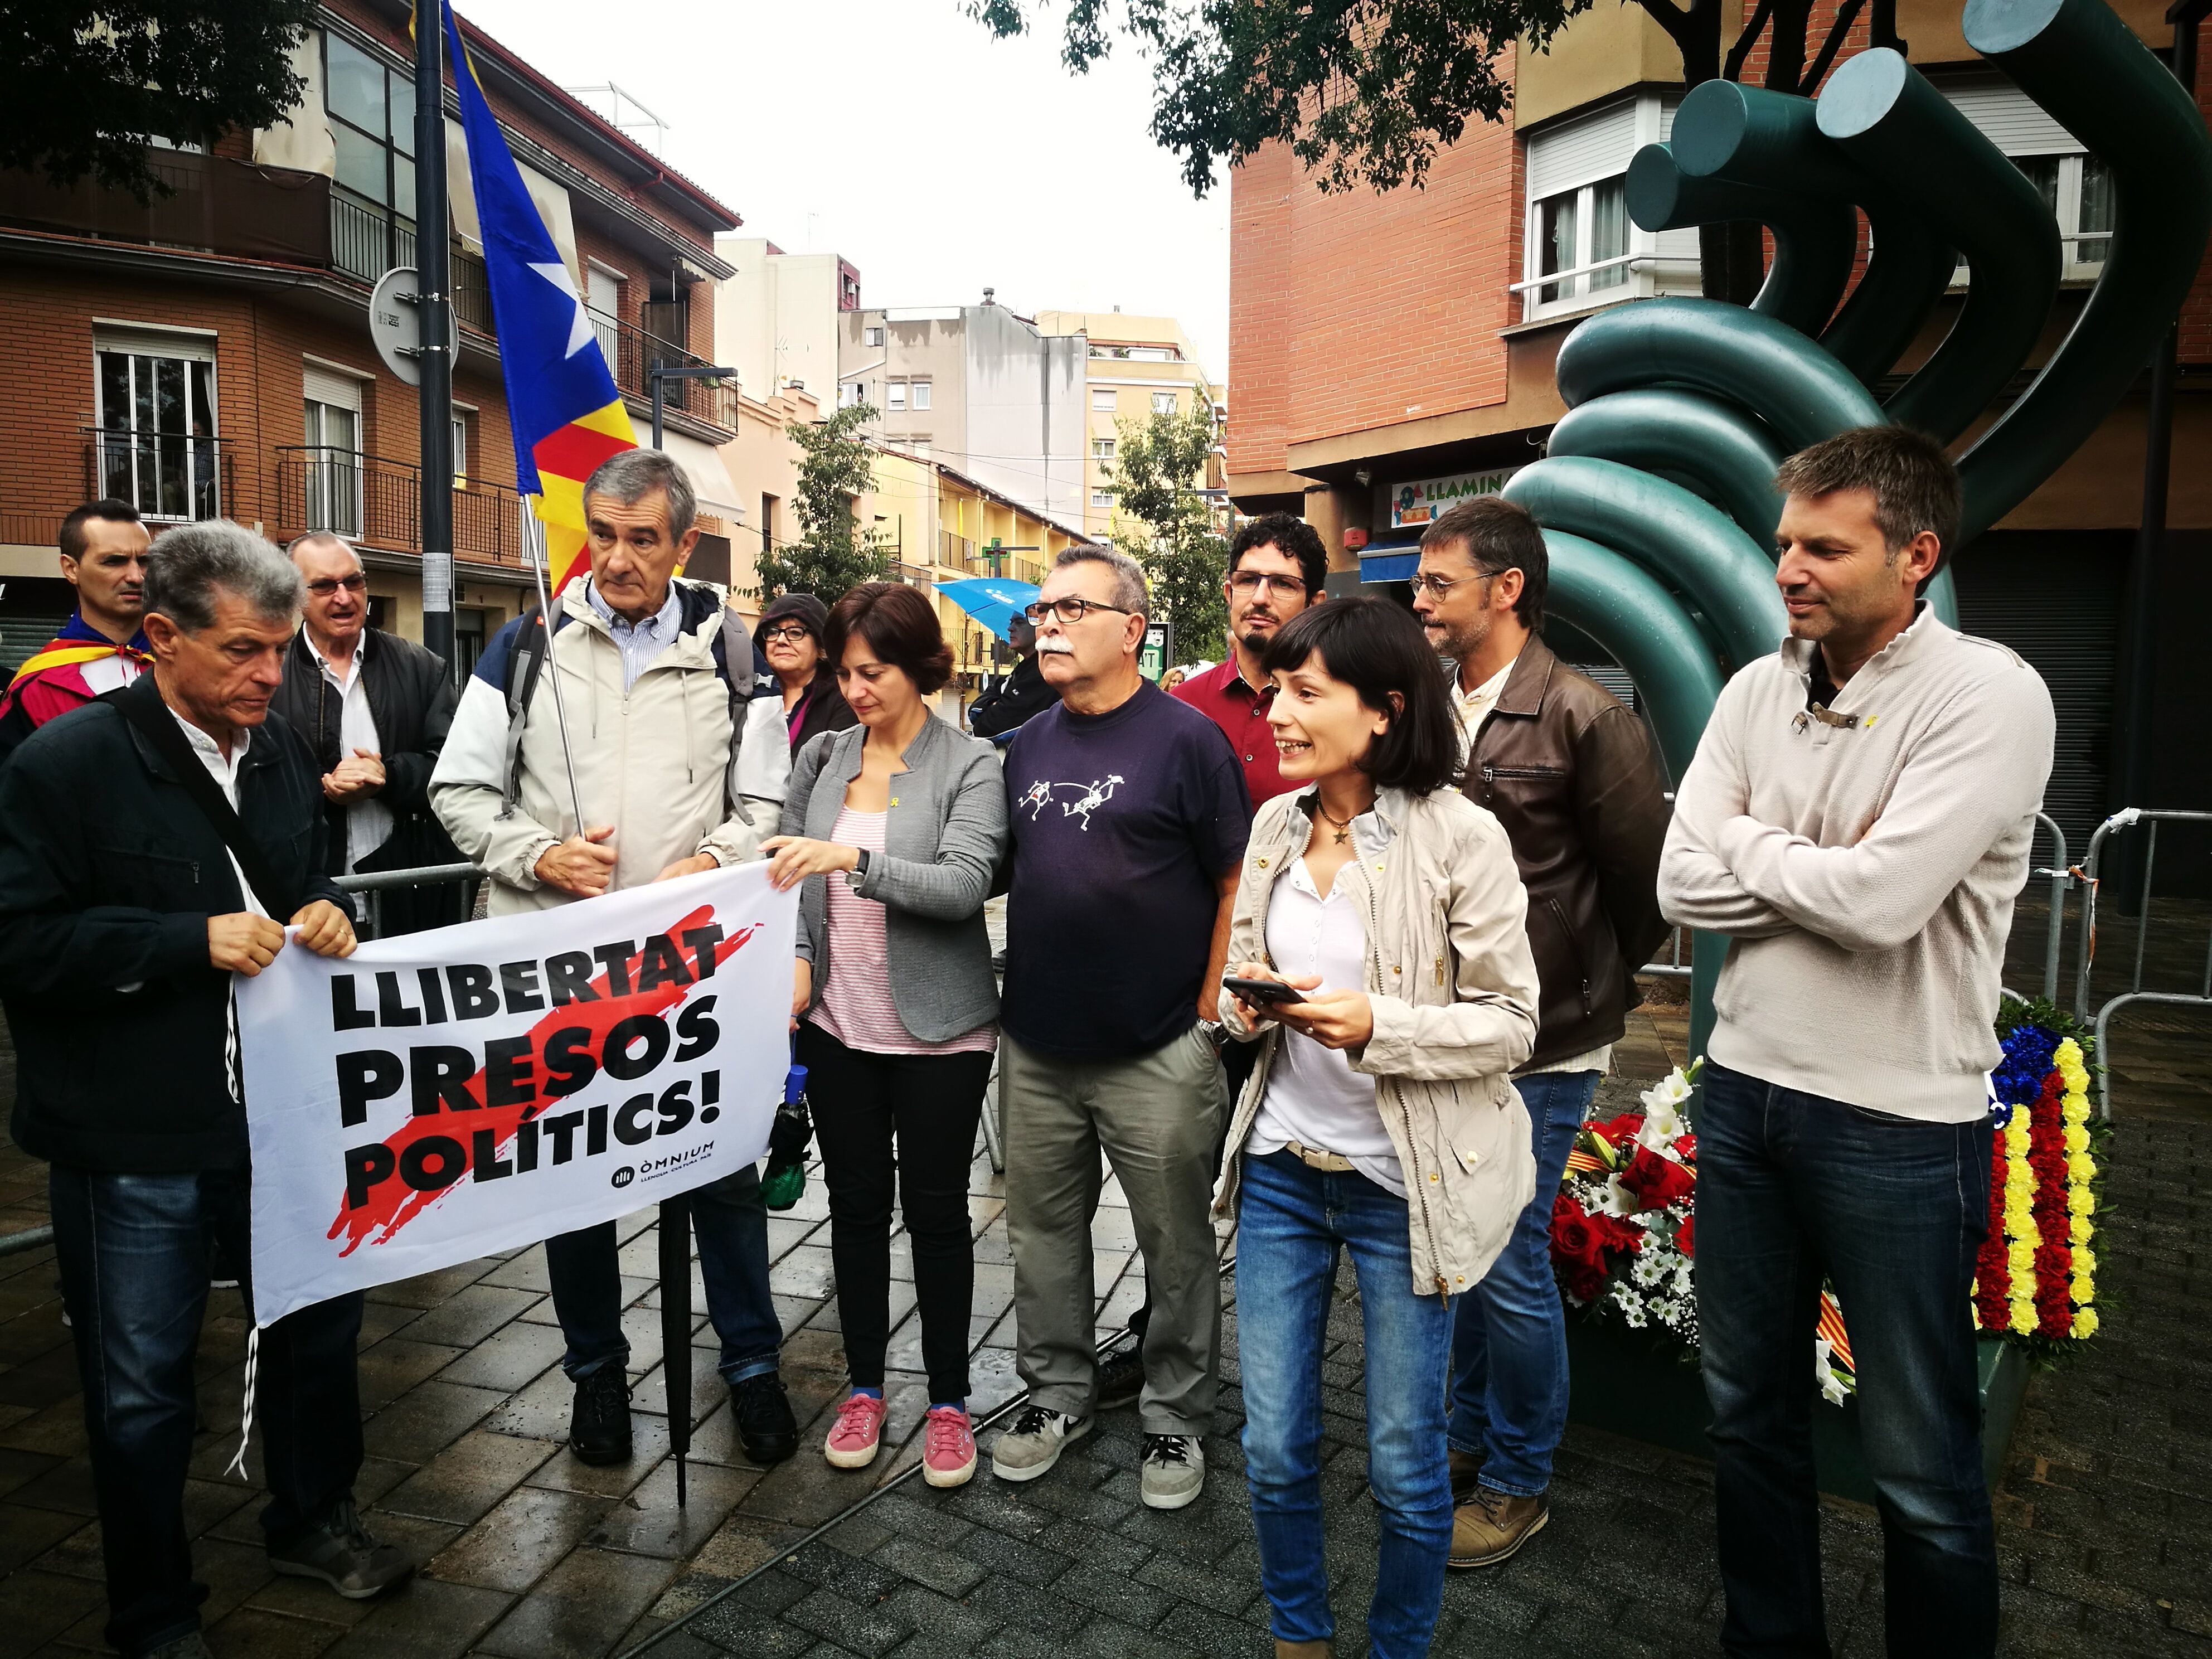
(2085, 1260)
(2077, 1139)
(2080, 1231)
(2081, 1168)
(2080, 1200)
(2084, 1322)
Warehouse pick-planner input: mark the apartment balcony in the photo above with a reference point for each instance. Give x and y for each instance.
(378, 503)
(214, 206)
(631, 352)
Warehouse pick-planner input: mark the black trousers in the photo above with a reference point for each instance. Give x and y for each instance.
(134, 1253)
(911, 1117)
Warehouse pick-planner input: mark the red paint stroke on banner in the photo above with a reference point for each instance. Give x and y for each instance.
(394, 1204)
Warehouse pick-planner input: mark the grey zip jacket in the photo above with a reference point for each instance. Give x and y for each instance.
(1453, 987)
(943, 834)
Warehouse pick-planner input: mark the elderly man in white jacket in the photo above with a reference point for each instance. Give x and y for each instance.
(642, 659)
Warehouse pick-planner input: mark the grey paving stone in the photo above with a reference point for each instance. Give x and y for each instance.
(470, 1476)
(579, 1609)
(870, 1631)
(939, 1570)
(522, 1539)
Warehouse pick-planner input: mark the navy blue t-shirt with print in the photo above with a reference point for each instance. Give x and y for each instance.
(1123, 823)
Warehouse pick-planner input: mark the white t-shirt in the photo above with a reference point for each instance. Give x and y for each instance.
(1314, 1096)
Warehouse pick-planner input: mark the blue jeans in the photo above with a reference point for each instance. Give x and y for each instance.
(1510, 1349)
(1291, 1222)
(1792, 1187)
(134, 1253)
(731, 1223)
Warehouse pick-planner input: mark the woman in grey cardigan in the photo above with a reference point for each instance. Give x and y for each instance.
(895, 827)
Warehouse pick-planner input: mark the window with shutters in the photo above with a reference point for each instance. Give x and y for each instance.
(1582, 249)
(2074, 185)
(331, 454)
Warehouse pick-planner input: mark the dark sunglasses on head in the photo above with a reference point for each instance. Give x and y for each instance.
(323, 586)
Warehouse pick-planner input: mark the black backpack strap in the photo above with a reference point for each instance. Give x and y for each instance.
(524, 662)
(159, 727)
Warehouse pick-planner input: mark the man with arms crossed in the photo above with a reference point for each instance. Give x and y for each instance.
(100, 648)
(1129, 818)
(1858, 818)
(643, 663)
(1570, 775)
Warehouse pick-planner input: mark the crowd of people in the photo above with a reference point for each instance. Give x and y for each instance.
(1325, 951)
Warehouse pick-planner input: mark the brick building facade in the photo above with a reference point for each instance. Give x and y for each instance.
(210, 354)
(1389, 352)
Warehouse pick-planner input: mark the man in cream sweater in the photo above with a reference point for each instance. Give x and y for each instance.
(1858, 818)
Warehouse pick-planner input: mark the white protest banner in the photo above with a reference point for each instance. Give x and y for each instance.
(437, 1096)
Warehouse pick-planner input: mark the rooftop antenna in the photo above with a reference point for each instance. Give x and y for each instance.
(622, 112)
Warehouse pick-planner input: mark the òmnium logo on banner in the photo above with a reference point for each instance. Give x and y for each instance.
(436, 1097)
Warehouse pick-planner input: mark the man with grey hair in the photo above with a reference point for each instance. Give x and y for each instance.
(1129, 814)
(124, 912)
(374, 710)
(651, 669)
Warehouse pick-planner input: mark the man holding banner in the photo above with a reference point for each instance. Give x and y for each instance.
(148, 842)
(634, 789)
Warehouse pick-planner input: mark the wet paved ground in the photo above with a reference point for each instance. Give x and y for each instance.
(2104, 1510)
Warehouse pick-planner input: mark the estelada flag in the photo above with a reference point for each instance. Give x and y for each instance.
(567, 413)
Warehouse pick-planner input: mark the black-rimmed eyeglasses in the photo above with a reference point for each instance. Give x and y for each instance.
(1071, 611)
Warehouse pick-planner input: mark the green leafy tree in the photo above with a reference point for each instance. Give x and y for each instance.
(1156, 465)
(1365, 91)
(86, 83)
(833, 554)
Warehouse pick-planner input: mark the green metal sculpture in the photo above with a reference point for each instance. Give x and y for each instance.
(1657, 494)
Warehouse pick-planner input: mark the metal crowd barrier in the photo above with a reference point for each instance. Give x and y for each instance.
(383, 881)
(2087, 879)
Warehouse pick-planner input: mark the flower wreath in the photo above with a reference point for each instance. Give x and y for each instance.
(1623, 1222)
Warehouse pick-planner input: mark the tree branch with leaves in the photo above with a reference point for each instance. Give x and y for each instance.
(87, 82)
(833, 554)
(1184, 555)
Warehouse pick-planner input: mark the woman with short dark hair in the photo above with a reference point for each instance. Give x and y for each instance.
(896, 828)
(1380, 1117)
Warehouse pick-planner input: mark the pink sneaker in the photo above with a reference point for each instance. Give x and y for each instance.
(948, 1447)
(857, 1432)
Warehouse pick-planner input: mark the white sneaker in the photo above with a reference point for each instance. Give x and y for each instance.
(1034, 1444)
(1174, 1470)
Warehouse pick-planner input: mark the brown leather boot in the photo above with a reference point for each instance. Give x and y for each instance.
(1465, 1465)
(1491, 1526)
(1302, 1649)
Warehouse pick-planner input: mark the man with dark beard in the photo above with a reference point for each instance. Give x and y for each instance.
(1276, 567)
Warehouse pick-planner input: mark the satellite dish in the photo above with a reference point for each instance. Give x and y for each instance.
(395, 324)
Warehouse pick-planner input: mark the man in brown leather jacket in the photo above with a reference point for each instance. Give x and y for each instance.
(1570, 774)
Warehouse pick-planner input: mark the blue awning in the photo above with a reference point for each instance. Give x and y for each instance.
(1389, 564)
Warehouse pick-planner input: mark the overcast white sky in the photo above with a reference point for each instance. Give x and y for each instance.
(901, 135)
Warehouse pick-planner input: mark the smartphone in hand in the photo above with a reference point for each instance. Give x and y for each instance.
(1260, 993)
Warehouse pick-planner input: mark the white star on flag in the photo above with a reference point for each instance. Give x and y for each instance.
(580, 331)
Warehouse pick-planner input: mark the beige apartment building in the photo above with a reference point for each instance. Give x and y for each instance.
(1134, 368)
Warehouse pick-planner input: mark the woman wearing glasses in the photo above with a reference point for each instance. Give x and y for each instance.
(775, 728)
(896, 828)
(1380, 1117)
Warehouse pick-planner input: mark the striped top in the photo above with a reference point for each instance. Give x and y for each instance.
(856, 1006)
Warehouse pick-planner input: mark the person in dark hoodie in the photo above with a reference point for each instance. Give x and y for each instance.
(803, 703)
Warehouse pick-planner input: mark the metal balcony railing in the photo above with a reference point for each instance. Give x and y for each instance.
(366, 241)
(379, 502)
(635, 351)
(172, 475)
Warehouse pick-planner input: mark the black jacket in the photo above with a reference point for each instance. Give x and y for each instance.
(108, 874)
(1571, 775)
(1021, 694)
(826, 709)
(411, 698)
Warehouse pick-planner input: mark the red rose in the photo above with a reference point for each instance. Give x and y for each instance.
(1657, 1181)
(1685, 1240)
(1586, 1283)
(1573, 1238)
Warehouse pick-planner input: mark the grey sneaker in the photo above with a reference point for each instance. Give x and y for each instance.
(190, 1645)
(1174, 1470)
(1033, 1444)
(343, 1555)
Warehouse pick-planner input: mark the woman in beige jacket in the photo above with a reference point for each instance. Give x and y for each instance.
(1380, 1116)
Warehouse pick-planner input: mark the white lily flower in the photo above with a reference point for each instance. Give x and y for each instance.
(1619, 1200)
(1831, 1386)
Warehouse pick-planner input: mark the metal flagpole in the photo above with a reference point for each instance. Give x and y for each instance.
(676, 1330)
(534, 531)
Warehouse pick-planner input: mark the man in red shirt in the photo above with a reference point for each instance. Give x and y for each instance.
(1276, 567)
